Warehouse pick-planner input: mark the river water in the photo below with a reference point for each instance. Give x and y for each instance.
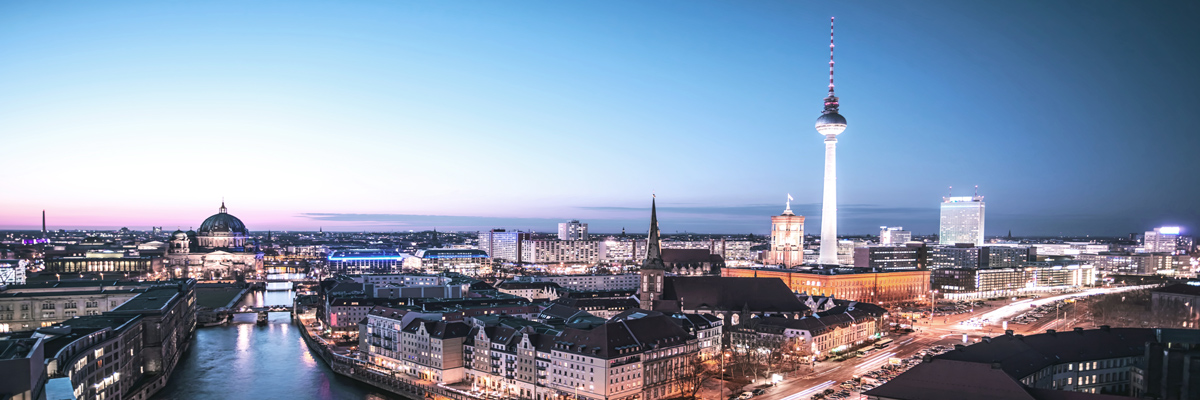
(242, 360)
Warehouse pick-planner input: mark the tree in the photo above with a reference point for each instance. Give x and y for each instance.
(692, 376)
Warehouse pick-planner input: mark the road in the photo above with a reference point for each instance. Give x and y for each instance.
(831, 374)
(942, 330)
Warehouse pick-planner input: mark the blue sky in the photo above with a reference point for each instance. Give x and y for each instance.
(1073, 118)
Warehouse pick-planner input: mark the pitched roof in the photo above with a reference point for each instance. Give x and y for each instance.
(620, 338)
(1021, 356)
(686, 256)
(654, 258)
(952, 380)
(731, 294)
(439, 329)
(513, 285)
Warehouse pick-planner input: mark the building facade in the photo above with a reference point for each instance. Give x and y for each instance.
(502, 245)
(850, 284)
(220, 249)
(787, 239)
(962, 220)
(572, 230)
(560, 251)
(893, 236)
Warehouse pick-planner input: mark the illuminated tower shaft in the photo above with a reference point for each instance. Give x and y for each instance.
(830, 124)
(829, 245)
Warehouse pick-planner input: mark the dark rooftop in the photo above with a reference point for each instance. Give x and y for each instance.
(152, 300)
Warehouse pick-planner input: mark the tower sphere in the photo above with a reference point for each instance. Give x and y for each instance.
(831, 124)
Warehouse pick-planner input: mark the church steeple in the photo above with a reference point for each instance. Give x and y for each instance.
(653, 242)
(653, 268)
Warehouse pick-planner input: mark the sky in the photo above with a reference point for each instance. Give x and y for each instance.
(1072, 117)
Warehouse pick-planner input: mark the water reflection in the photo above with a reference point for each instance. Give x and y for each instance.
(245, 361)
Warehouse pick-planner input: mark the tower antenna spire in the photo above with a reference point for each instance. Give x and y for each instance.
(830, 56)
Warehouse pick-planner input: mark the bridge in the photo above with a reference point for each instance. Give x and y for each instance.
(248, 310)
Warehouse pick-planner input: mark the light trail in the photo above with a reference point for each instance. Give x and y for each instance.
(810, 391)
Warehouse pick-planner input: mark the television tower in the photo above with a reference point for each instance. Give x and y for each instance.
(830, 124)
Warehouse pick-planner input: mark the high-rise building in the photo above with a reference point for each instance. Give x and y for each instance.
(787, 238)
(830, 124)
(502, 245)
(962, 220)
(1161, 240)
(572, 230)
(893, 236)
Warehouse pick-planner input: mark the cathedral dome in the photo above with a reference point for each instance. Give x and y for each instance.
(222, 222)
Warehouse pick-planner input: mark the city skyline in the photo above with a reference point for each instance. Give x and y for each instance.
(301, 129)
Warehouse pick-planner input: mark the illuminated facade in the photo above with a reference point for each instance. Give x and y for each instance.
(12, 272)
(893, 236)
(220, 249)
(787, 238)
(502, 245)
(560, 251)
(572, 230)
(365, 261)
(1161, 240)
(470, 262)
(964, 283)
(870, 287)
(830, 124)
(102, 261)
(961, 220)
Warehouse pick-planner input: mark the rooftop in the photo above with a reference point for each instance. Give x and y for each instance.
(152, 300)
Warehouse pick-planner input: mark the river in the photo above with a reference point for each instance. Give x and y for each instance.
(242, 360)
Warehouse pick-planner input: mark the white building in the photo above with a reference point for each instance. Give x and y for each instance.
(587, 282)
(502, 245)
(893, 236)
(12, 272)
(572, 230)
(787, 238)
(560, 251)
(962, 220)
(1161, 240)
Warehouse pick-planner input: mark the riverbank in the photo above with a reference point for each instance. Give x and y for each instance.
(361, 371)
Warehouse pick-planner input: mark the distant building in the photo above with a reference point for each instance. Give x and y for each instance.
(530, 290)
(220, 249)
(502, 245)
(469, 262)
(101, 261)
(1113, 263)
(970, 256)
(961, 220)
(622, 250)
(1031, 277)
(898, 257)
(847, 283)
(572, 230)
(1181, 300)
(893, 236)
(560, 251)
(1161, 240)
(787, 239)
(586, 282)
(365, 261)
